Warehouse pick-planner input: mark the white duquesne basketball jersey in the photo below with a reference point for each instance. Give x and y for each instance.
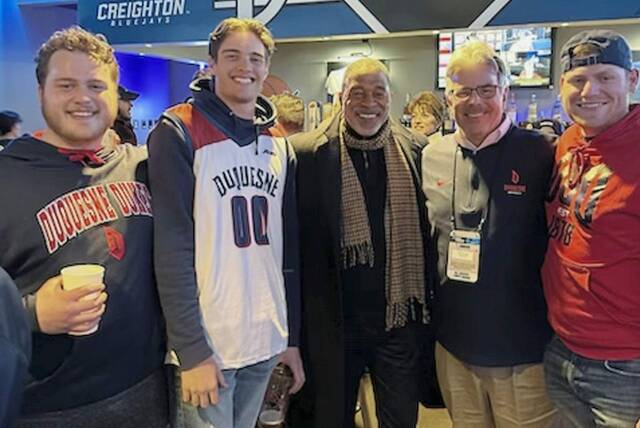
(239, 248)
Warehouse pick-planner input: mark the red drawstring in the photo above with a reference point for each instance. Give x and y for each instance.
(89, 157)
(578, 163)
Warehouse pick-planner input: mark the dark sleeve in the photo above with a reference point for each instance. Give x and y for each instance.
(172, 184)
(15, 349)
(291, 259)
(549, 151)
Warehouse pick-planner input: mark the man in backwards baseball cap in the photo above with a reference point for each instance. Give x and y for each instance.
(592, 265)
(122, 124)
(611, 48)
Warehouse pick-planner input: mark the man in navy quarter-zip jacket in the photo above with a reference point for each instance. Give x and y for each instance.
(485, 187)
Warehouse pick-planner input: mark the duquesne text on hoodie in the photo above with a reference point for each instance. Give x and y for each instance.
(67, 216)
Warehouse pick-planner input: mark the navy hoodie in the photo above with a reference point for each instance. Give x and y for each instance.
(59, 212)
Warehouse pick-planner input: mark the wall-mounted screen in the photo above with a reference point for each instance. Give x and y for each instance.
(528, 52)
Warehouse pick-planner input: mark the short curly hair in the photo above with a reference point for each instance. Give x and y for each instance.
(364, 66)
(428, 102)
(76, 39)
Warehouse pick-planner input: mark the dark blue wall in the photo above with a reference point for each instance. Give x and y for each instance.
(180, 74)
(160, 83)
(22, 31)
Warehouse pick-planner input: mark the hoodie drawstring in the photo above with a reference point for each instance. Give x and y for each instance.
(87, 157)
(257, 131)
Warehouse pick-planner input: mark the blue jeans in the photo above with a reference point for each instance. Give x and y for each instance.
(592, 393)
(239, 403)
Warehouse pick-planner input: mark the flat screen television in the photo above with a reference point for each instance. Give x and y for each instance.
(528, 51)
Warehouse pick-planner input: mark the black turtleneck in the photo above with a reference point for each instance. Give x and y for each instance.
(364, 286)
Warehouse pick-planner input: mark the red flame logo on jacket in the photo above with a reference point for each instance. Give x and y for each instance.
(115, 242)
(515, 177)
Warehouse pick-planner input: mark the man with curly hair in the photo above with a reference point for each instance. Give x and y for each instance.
(74, 201)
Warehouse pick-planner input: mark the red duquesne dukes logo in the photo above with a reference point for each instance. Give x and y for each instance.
(115, 242)
(72, 213)
(515, 188)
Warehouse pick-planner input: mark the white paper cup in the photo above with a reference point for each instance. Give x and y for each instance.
(78, 276)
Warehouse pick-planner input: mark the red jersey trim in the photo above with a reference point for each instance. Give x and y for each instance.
(202, 132)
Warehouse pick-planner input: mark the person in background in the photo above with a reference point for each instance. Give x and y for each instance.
(485, 187)
(15, 349)
(552, 127)
(363, 244)
(290, 114)
(10, 127)
(427, 113)
(226, 233)
(122, 125)
(592, 265)
(71, 201)
(200, 73)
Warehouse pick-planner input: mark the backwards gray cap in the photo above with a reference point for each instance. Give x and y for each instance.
(613, 49)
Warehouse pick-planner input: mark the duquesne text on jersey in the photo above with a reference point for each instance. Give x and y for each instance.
(242, 176)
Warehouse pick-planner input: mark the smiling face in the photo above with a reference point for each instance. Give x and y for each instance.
(79, 100)
(240, 68)
(423, 122)
(366, 100)
(476, 116)
(597, 96)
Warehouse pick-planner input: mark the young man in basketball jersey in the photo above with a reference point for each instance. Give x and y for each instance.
(226, 233)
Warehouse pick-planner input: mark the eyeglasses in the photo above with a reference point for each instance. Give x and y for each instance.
(484, 91)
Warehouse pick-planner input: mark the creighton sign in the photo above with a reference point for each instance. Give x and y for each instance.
(151, 21)
(140, 12)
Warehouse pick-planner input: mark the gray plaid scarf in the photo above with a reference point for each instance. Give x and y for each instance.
(404, 270)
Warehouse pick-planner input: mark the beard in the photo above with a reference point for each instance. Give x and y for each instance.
(76, 133)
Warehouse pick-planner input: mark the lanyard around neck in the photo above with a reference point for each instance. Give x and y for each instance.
(490, 185)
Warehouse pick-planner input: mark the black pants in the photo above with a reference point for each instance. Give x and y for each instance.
(393, 360)
(143, 405)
